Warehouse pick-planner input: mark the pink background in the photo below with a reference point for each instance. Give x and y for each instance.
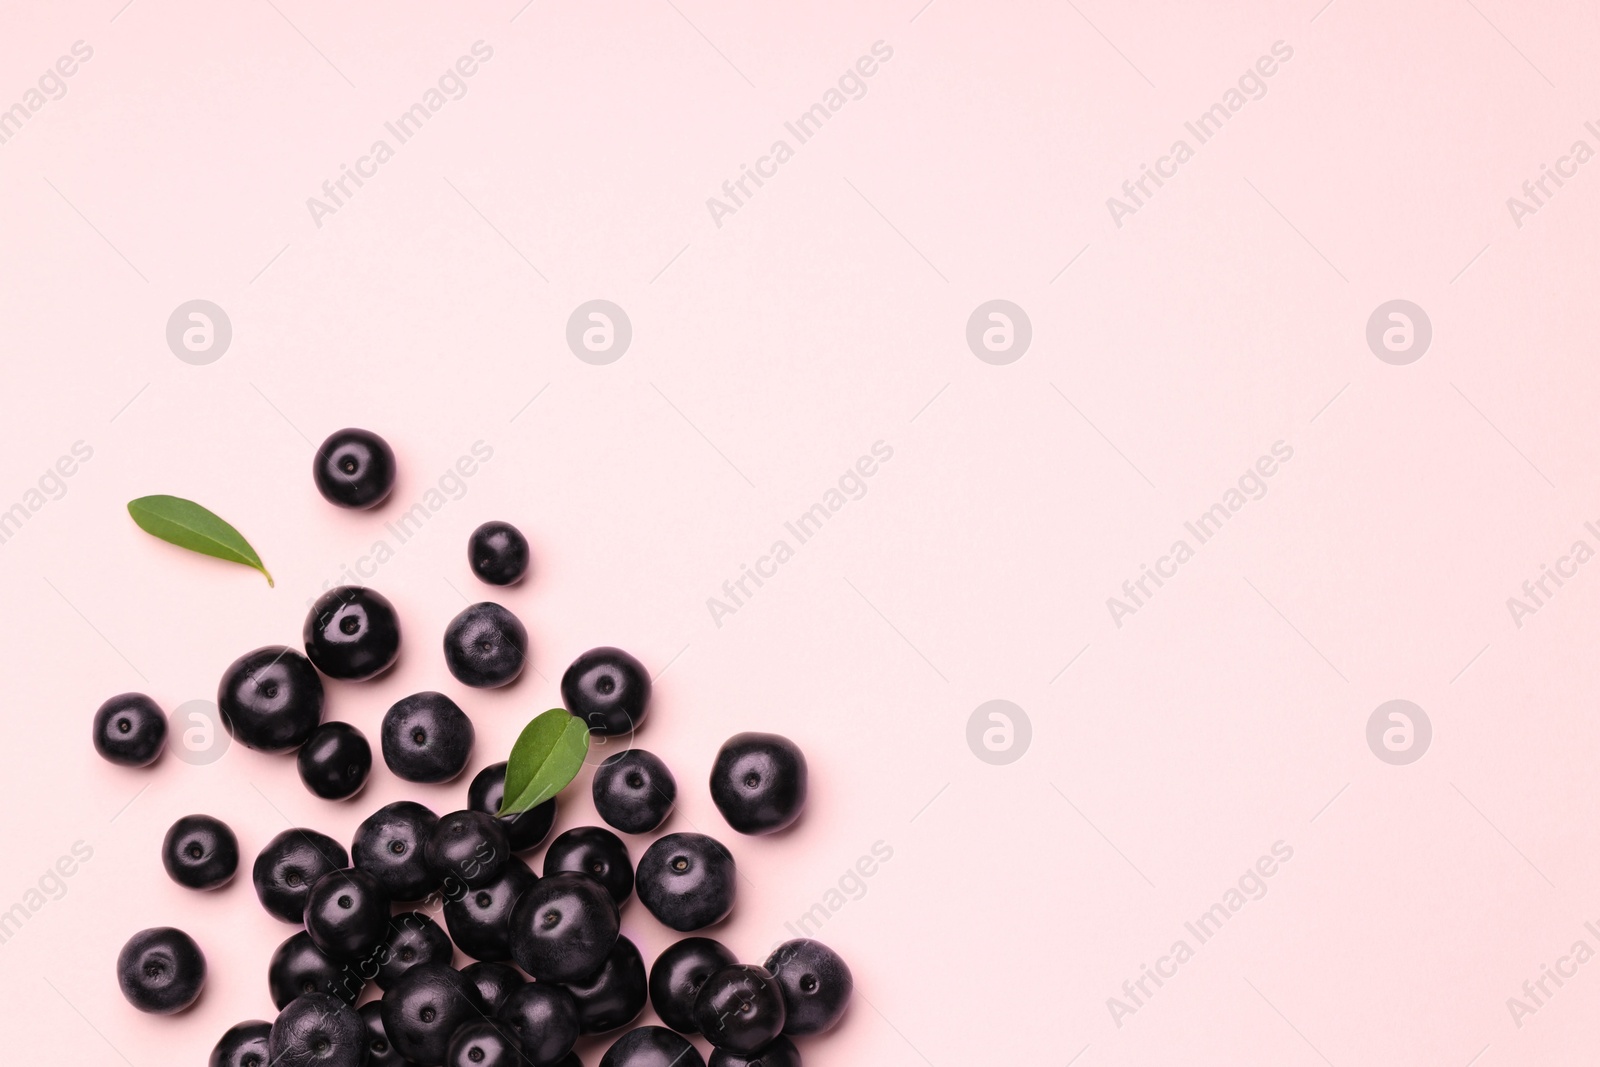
(827, 314)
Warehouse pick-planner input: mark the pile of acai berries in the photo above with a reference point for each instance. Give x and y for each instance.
(559, 928)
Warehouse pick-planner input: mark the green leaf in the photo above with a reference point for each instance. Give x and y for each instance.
(547, 756)
(188, 525)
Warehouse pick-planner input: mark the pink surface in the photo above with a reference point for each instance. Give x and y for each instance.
(776, 341)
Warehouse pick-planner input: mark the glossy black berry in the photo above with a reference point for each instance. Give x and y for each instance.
(352, 633)
(495, 981)
(563, 928)
(200, 852)
(652, 1046)
(480, 918)
(287, 868)
(485, 646)
(781, 1053)
(389, 846)
(484, 1043)
(758, 782)
(426, 738)
(161, 970)
(614, 995)
(688, 881)
(299, 967)
(634, 791)
(347, 914)
(740, 1008)
(335, 760)
(413, 940)
(468, 846)
(354, 469)
(380, 1051)
(316, 1030)
(816, 985)
(525, 829)
(425, 1007)
(596, 852)
(608, 689)
(130, 729)
(678, 974)
(270, 699)
(243, 1045)
(498, 553)
(545, 1019)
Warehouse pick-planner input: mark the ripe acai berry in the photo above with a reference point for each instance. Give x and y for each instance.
(495, 981)
(781, 1053)
(413, 940)
(200, 852)
(740, 1008)
(614, 995)
(161, 970)
(389, 846)
(316, 1029)
(426, 738)
(270, 699)
(563, 928)
(596, 852)
(608, 689)
(525, 829)
(129, 729)
(243, 1045)
(334, 761)
(480, 919)
(347, 914)
(469, 847)
(289, 865)
(425, 1007)
(816, 985)
(484, 1043)
(380, 1051)
(688, 881)
(758, 782)
(652, 1046)
(634, 791)
(299, 967)
(485, 646)
(352, 633)
(545, 1019)
(678, 974)
(354, 469)
(498, 553)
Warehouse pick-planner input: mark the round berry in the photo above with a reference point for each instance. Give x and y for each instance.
(334, 761)
(352, 633)
(318, 1029)
(468, 846)
(200, 852)
(816, 985)
(614, 995)
(485, 646)
(634, 791)
(380, 1051)
(426, 738)
(652, 1046)
(480, 919)
(545, 1019)
(688, 881)
(758, 782)
(781, 1053)
(161, 970)
(525, 829)
(498, 553)
(608, 689)
(270, 699)
(495, 981)
(354, 469)
(243, 1045)
(484, 1043)
(389, 846)
(289, 865)
(413, 939)
(299, 967)
(563, 928)
(347, 914)
(596, 852)
(678, 974)
(130, 730)
(425, 1007)
(740, 1008)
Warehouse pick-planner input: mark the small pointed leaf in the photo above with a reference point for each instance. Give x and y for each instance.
(547, 756)
(188, 525)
